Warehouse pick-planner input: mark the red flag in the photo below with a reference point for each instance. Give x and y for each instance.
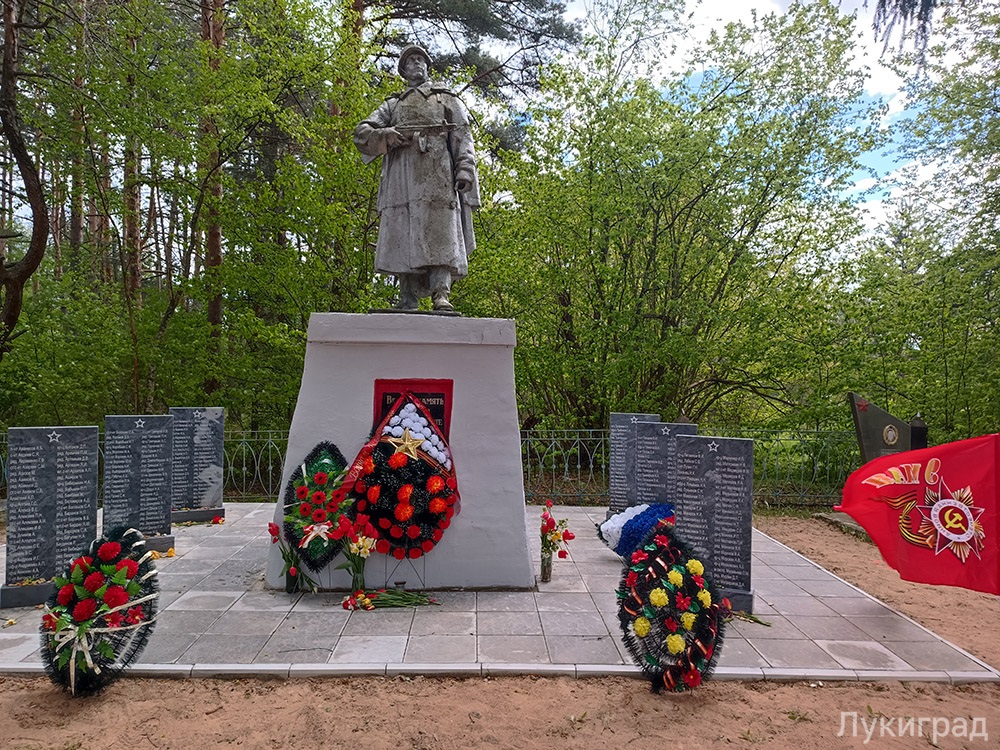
(934, 513)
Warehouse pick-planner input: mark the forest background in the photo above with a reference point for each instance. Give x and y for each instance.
(671, 227)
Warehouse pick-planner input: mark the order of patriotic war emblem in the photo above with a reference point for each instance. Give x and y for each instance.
(955, 521)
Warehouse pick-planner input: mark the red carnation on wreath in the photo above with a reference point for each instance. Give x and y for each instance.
(408, 464)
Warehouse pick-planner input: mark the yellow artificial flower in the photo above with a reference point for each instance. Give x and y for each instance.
(658, 598)
(705, 598)
(675, 577)
(687, 620)
(675, 643)
(170, 552)
(695, 567)
(641, 627)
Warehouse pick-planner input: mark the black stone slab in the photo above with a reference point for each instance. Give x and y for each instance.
(878, 432)
(656, 460)
(51, 506)
(197, 463)
(621, 459)
(137, 475)
(714, 509)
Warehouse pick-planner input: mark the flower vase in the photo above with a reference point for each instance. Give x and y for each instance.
(291, 583)
(357, 579)
(546, 567)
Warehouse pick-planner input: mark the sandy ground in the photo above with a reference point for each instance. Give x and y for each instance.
(529, 713)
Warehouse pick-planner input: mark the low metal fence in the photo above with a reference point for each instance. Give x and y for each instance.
(570, 467)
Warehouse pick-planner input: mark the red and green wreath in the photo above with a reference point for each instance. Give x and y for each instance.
(672, 617)
(101, 614)
(404, 481)
(315, 518)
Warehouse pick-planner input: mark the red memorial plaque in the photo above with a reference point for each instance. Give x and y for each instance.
(434, 394)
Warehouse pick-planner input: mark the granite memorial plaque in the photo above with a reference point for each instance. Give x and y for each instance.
(621, 459)
(137, 476)
(656, 460)
(197, 463)
(878, 432)
(714, 509)
(51, 506)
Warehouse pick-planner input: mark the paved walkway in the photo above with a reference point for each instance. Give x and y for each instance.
(216, 618)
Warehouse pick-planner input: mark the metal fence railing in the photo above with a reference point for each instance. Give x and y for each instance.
(791, 467)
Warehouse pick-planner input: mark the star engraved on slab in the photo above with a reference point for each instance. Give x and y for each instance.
(140, 423)
(53, 436)
(198, 415)
(635, 420)
(665, 431)
(713, 447)
(407, 444)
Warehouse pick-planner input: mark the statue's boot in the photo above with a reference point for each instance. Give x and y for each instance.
(441, 302)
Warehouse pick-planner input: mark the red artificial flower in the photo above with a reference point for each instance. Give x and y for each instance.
(66, 594)
(438, 505)
(399, 553)
(302, 492)
(114, 619)
(373, 493)
(437, 534)
(631, 579)
(218, 519)
(449, 512)
(332, 507)
(639, 556)
(115, 596)
(450, 483)
(395, 532)
(568, 536)
(361, 505)
(368, 466)
(699, 580)
(661, 541)
(93, 581)
(83, 563)
(130, 565)
(683, 602)
(444, 523)
(134, 615)
(413, 531)
(403, 512)
(361, 520)
(435, 484)
(385, 523)
(319, 515)
(109, 551)
(405, 492)
(360, 487)
(305, 510)
(84, 610)
(671, 624)
(726, 605)
(397, 460)
(416, 552)
(382, 547)
(319, 497)
(320, 477)
(338, 496)
(427, 545)
(548, 503)
(692, 678)
(272, 529)
(50, 621)
(563, 554)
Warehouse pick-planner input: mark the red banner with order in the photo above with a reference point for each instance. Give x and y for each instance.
(934, 513)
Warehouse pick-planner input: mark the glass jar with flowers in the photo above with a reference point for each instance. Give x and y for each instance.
(555, 536)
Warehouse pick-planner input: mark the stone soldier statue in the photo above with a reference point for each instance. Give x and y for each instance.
(429, 185)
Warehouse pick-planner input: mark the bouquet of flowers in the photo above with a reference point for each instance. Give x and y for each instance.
(555, 534)
(359, 542)
(101, 614)
(296, 578)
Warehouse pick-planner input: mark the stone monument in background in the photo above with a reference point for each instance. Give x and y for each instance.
(137, 476)
(197, 463)
(51, 506)
(878, 432)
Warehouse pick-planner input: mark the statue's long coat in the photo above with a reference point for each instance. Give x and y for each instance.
(423, 220)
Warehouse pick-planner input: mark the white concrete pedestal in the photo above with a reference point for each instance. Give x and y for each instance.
(486, 545)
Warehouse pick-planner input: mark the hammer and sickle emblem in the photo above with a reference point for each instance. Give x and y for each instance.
(954, 519)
